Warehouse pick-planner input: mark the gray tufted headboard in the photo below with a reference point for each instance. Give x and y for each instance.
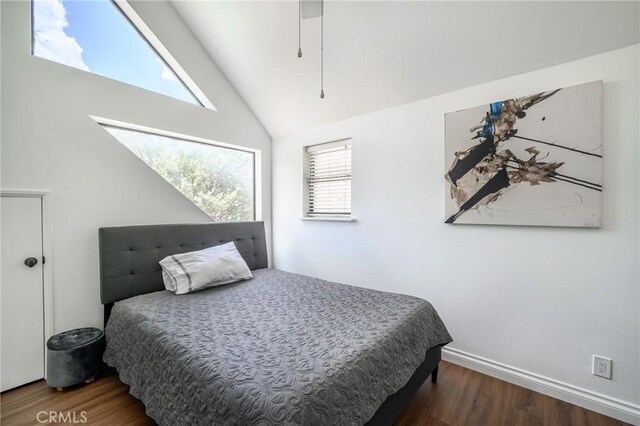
(129, 255)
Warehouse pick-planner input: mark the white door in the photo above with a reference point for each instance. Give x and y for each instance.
(21, 292)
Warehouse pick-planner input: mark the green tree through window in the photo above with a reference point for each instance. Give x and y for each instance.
(218, 180)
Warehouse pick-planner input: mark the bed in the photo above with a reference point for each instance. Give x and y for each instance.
(280, 348)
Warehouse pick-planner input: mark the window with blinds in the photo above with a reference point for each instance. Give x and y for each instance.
(328, 179)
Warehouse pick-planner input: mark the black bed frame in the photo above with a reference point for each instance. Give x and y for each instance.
(129, 257)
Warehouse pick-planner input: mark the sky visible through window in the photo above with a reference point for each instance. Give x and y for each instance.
(94, 36)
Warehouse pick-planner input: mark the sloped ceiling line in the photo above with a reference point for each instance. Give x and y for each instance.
(380, 54)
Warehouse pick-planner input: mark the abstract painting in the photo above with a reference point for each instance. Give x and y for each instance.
(533, 160)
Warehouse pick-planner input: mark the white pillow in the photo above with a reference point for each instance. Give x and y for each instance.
(186, 272)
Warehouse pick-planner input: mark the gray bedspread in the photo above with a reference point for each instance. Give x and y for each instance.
(280, 349)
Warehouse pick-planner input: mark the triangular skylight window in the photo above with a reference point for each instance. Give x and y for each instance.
(219, 180)
(108, 38)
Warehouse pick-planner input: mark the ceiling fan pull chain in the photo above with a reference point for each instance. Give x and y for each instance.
(299, 19)
(322, 54)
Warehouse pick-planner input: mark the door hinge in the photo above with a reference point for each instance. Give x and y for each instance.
(43, 260)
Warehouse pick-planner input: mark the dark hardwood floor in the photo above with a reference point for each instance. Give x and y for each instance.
(466, 397)
(461, 397)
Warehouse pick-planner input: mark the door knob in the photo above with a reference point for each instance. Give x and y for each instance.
(31, 262)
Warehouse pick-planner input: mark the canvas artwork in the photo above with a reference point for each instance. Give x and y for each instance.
(534, 160)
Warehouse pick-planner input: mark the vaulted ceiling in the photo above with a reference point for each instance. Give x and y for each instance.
(380, 54)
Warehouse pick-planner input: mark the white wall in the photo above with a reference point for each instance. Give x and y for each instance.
(539, 299)
(50, 142)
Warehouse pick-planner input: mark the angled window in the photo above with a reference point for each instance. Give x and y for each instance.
(219, 180)
(108, 38)
(328, 180)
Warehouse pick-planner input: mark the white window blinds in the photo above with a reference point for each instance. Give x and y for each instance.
(329, 179)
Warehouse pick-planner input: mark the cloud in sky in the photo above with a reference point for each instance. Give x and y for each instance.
(167, 74)
(51, 42)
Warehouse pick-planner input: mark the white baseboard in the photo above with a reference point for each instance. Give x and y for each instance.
(612, 407)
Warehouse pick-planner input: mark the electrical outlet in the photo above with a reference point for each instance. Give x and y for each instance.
(602, 366)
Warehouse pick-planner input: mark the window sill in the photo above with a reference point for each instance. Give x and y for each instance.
(330, 219)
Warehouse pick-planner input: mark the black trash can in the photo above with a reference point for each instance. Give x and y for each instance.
(74, 356)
